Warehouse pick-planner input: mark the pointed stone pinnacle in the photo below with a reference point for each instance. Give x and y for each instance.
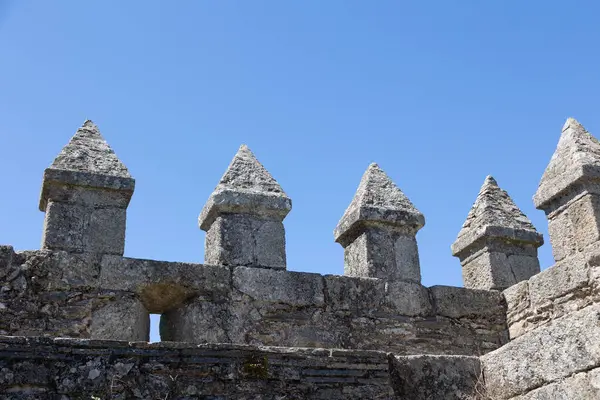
(87, 160)
(378, 200)
(87, 151)
(494, 214)
(245, 188)
(576, 160)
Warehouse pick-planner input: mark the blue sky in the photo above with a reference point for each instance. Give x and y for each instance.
(439, 94)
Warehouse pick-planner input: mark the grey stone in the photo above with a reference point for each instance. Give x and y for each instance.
(565, 346)
(576, 160)
(85, 194)
(378, 231)
(243, 216)
(161, 285)
(456, 302)
(123, 318)
(88, 161)
(569, 192)
(408, 298)
(245, 240)
(437, 377)
(558, 280)
(294, 288)
(582, 386)
(361, 295)
(497, 244)
(198, 321)
(121, 370)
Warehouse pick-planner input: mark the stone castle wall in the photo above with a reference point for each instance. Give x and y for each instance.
(243, 327)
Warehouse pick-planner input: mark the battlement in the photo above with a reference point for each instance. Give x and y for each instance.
(79, 285)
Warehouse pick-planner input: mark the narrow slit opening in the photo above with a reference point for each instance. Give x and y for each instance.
(154, 328)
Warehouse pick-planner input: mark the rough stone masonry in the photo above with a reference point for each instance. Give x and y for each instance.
(74, 314)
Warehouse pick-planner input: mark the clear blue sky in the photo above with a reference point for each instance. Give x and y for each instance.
(439, 93)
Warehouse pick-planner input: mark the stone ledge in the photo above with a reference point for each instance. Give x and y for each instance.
(76, 367)
(565, 346)
(584, 386)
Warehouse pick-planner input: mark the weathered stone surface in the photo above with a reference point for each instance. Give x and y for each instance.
(569, 192)
(122, 318)
(560, 279)
(88, 161)
(456, 302)
(243, 216)
(47, 293)
(245, 240)
(70, 369)
(85, 194)
(497, 244)
(563, 347)
(62, 294)
(378, 231)
(294, 288)
(582, 386)
(566, 287)
(246, 188)
(576, 160)
(163, 285)
(437, 377)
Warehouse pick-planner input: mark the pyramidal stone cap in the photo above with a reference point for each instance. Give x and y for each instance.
(88, 161)
(494, 214)
(576, 160)
(245, 188)
(377, 200)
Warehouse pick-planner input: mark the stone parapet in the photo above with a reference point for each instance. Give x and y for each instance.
(205, 303)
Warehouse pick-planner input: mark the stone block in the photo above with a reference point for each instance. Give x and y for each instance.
(105, 231)
(562, 236)
(267, 285)
(408, 298)
(124, 318)
(384, 254)
(163, 285)
(558, 280)
(360, 295)
(436, 377)
(79, 228)
(199, 321)
(523, 267)
(245, 240)
(584, 214)
(406, 257)
(64, 226)
(553, 352)
(582, 386)
(457, 302)
(487, 271)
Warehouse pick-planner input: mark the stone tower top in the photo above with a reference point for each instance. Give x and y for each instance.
(494, 214)
(245, 187)
(378, 200)
(575, 161)
(88, 161)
